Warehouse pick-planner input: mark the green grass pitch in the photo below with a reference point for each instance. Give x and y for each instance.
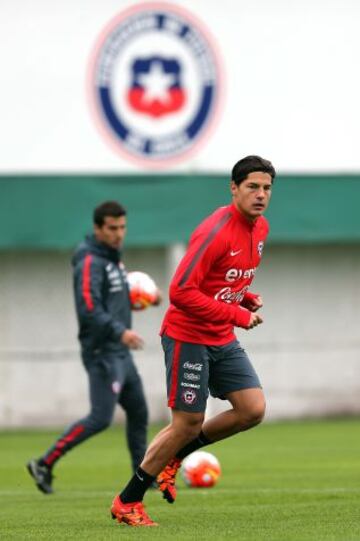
(282, 481)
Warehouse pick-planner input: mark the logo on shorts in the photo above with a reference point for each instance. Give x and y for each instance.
(116, 386)
(155, 82)
(193, 385)
(191, 377)
(189, 396)
(193, 366)
(260, 248)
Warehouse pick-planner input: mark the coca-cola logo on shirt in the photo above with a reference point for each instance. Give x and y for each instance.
(226, 294)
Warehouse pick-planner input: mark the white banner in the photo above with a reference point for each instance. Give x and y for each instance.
(188, 86)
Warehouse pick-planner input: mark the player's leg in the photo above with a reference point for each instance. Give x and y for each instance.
(127, 507)
(103, 399)
(132, 400)
(248, 409)
(191, 366)
(187, 401)
(183, 428)
(232, 377)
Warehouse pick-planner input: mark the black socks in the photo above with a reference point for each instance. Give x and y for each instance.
(137, 486)
(195, 444)
(141, 481)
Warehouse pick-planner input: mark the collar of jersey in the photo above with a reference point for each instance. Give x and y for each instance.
(239, 216)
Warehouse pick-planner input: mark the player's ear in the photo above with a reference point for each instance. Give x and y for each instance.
(97, 230)
(233, 187)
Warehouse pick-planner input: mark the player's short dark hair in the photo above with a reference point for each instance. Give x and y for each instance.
(108, 208)
(250, 164)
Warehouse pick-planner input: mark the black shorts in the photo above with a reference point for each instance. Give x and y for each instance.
(192, 370)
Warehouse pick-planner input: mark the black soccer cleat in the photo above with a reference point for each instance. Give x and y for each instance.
(42, 476)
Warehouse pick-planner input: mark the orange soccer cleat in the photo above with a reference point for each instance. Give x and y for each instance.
(166, 480)
(132, 514)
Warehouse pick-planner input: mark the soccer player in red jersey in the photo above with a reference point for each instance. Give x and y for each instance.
(209, 296)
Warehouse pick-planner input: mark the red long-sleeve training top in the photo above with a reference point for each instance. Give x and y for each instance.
(213, 278)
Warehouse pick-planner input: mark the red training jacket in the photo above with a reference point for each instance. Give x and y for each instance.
(213, 278)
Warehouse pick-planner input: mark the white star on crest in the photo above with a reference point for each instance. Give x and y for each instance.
(156, 83)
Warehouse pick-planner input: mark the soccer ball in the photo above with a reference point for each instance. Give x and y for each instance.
(201, 470)
(143, 290)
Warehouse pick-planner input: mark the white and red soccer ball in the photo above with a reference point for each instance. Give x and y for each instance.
(201, 470)
(143, 290)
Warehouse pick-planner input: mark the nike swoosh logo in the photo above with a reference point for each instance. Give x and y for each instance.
(232, 253)
(137, 475)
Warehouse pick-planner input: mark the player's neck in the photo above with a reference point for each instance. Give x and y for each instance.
(244, 216)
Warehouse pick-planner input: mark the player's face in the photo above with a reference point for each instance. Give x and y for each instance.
(253, 194)
(112, 232)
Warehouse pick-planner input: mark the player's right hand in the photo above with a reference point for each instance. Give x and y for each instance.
(132, 340)
(255, 320)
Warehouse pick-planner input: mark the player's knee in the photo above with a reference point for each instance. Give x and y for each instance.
(98, 424)
(255, 414)
(190, 426)
(103, 425)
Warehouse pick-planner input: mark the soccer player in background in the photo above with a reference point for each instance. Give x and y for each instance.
(106, 337)
(209, 295)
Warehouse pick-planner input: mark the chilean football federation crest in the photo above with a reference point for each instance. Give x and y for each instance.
(154, 82)
(189, 396)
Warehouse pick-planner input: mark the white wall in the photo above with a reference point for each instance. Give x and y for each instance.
(290, 76)
(307, 352)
